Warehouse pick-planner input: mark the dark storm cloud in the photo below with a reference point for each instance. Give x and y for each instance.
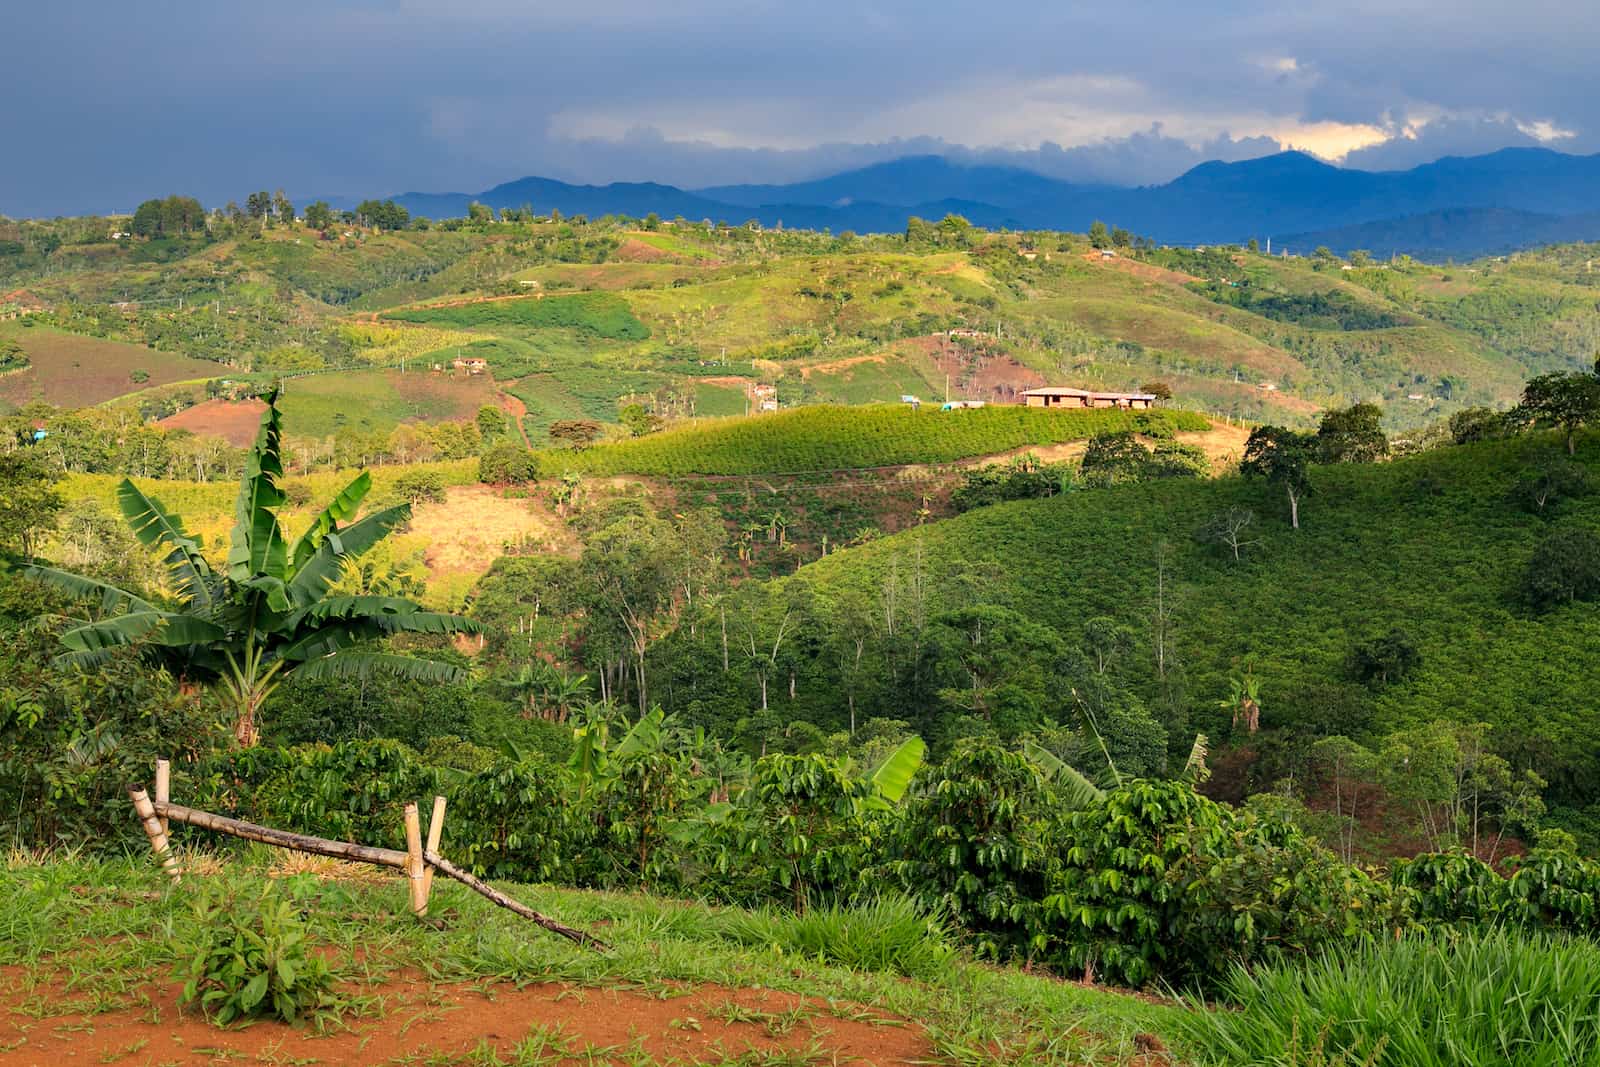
(109, 103)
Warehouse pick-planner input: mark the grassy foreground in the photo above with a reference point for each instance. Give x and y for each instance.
(87, 965)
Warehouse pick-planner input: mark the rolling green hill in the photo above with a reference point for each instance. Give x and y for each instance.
(833, 438)
(1431, 546)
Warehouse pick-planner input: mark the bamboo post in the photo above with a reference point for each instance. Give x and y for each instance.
(435, 832)
(153, 830)
(164, 788)
(416, 869)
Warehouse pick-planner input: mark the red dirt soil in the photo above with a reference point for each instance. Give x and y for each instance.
(1147, 271)
(637, 251)
(414, 1021)
(235, 421)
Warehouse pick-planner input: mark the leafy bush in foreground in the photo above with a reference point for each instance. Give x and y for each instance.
(248, 957)
(1496, 998)
(1157, 881)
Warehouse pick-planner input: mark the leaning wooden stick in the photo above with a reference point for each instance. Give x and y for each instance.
(450, 870)
(435, 834)
(152, 829)
(317, 846)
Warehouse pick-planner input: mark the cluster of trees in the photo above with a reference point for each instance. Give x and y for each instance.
(174, 216)
(120, 441)
(382, 214)
(1284, 457)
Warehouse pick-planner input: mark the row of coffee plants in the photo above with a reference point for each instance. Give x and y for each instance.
(1149, 882)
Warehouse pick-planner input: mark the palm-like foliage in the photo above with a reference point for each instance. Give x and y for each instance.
(268, 613)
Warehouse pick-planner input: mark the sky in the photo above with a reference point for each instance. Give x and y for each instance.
(106, 104)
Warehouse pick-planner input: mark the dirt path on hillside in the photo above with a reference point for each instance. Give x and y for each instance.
(517, 410)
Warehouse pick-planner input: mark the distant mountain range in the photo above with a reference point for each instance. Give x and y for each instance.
(1456, 206)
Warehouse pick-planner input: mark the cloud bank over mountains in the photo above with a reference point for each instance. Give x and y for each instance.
(357, 96)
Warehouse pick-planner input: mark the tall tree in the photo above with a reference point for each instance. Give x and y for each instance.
(269, 613)
(1569, 401)
(319, 216)
(1352, 435)
(1282, 457)
(29, 502)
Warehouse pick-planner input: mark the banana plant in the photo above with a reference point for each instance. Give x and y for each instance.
(1070, 785)
(268, 612)
(893, 776)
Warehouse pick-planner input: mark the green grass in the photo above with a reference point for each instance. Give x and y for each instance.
(101, 929)
(595, 314)
(717, 401)
(1495, 999)
(320, 405)
(826, 437)
(878, 381)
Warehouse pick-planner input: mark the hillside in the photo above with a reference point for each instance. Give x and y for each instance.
(1431, 546)
(818, 439)
(576, 319)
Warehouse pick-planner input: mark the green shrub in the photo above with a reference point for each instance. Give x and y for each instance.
(974, 843)
(794, 831)
(1482, 999)
(1157, 881)
(507, 463)
(1564, 568)
(248, 956)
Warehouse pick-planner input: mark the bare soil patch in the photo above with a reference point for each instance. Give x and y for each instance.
(1147, 271)
(637, 251)
(412, 1021)
(235, 421)
(841, 364)
(476, 523)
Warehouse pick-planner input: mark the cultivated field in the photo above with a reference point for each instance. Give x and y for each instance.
(69, 370)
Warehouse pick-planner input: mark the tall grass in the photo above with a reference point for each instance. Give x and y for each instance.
(891, 934)
(1484, 999)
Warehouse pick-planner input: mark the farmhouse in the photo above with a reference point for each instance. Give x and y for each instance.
(1059, 397)
(471, 366)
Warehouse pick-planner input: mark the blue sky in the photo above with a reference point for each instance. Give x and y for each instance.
(106, 104)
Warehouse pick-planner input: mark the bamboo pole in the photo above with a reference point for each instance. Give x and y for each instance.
(415, 867)
(450, 870)
(153, 830)
(163, 787)
(318, 846)
(321, 846)
(435, 833)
